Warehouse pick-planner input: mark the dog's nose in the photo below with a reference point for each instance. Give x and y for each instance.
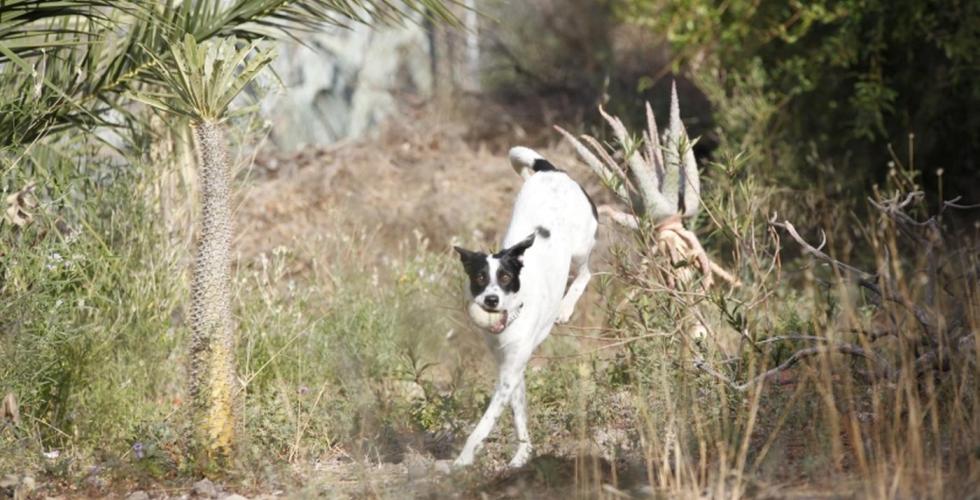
(491, 300)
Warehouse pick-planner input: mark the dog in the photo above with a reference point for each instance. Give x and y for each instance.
(519, 293)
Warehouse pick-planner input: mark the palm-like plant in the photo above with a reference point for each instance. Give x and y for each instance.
(201, 85)
(66, 64)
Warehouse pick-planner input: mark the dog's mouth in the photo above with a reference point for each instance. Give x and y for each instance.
(499, 326)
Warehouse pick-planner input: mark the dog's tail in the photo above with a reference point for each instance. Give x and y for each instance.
(527, 162)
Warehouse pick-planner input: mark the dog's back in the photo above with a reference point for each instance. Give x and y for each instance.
(551, 200)
(555, 207)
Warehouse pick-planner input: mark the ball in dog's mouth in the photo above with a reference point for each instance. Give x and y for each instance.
(492, 321)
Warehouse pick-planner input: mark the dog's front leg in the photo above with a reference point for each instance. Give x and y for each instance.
(508, 383)
(518, 402)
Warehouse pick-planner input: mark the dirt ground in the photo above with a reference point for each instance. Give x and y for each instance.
(421, 174)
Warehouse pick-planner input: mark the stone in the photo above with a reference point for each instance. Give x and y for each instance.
(9, 481)
(205, 488)
(344, 82)
(443, 466)
(138, 495)
(96, 482)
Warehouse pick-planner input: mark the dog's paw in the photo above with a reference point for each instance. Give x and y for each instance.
(521, 457)
(464, 460)
(565, 314)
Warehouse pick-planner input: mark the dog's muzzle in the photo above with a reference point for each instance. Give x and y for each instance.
(499, 325)
(493, 321)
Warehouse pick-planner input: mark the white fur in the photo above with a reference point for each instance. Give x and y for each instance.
(521, 158)
(554, 201)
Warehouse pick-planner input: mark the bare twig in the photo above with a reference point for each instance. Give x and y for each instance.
(953, 204)
(866, 280)
(818, 253)
(793, 337)
(798, 356)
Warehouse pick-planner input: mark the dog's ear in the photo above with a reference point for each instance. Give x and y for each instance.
(464, 254)
(470, 259)
(517, 251)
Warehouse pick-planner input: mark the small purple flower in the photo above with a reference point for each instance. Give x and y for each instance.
(303, 390)
(138, 450)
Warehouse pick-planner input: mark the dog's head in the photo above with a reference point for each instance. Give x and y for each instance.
(495, 281)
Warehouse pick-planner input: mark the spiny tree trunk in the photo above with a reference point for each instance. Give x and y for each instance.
(213, 342)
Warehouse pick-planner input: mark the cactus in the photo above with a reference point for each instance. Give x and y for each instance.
(660, 184)
(213, 386)
(200, 85)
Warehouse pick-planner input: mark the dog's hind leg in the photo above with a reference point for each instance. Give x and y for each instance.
(509, 381)
(518, 402)
(575, 290)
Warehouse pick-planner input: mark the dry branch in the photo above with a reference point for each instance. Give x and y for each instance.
(865, 279)
(849, 349)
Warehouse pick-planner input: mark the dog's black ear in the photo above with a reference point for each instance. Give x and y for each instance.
(517, 251)
(464, 254)
(470, 259)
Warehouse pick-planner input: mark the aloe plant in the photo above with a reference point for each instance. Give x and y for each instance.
(662, 177)
(658, 181)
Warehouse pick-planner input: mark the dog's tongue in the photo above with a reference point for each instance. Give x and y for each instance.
(500, 325)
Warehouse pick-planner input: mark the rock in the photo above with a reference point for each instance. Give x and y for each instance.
(96, 482)
(348, 84)
(138, 495)
(9, 481)
(416, 466)
(443, 466)
(205, 488)
(28, 483)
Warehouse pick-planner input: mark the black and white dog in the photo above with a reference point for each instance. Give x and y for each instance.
(520, 292)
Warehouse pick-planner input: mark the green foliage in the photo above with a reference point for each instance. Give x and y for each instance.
(334, 358)
(205, 78)
(86, 299)
(89, 299)
(848, 76)
(78, 59)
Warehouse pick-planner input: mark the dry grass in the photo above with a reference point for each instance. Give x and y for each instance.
(347, 291)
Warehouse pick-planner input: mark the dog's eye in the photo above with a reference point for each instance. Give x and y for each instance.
(481, 279)
(504, 278)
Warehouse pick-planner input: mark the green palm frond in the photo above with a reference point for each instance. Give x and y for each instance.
(28, 27)
(204, 78)
(66, 63)
(249, 19)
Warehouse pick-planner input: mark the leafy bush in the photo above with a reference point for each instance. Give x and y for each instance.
(844, 77)
(87, 296)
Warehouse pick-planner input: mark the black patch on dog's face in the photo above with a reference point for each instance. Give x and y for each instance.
(511, 262)
(509, 275)
(543, 232)
(477, 268)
